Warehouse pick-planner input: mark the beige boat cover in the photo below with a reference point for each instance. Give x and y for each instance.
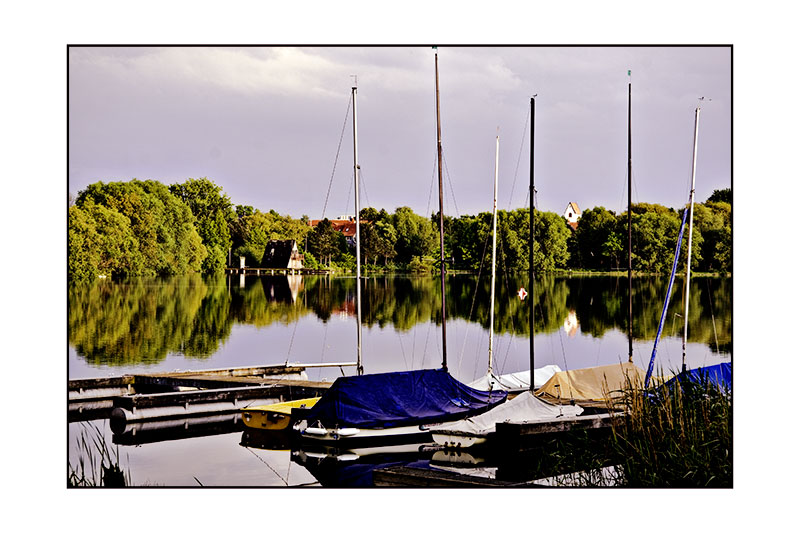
(517, 381)
(523, 408)
(592, 386)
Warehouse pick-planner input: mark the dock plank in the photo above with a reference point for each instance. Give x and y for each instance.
(403, 476)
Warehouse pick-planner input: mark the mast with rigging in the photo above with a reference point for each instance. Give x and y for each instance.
(530, 253)
(441, 214)
(689, 244)
(356, 169)
(630, 239)
(494, 251)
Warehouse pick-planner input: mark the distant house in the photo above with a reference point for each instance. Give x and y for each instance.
(571, 214)
(344, 225)
(282, 254)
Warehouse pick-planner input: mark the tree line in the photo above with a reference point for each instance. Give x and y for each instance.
(141, 228)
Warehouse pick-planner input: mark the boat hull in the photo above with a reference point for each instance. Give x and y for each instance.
(360, 438)
(456, 440)
(274, 417)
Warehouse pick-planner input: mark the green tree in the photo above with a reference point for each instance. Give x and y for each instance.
(325, 242)
(166, 240)
(597, 238)
(721, 195)
(415, 235)
(82, 245)
(654, 236)
(550, 241)
(116, 243)
(213, 213)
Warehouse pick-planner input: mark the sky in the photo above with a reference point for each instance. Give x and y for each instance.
(273, 125)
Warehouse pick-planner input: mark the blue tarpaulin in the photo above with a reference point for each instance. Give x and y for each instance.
(720, 375)
(399, 399)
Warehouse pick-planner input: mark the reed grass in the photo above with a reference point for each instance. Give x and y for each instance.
(97, 463)
(679, 436)
(669, 437)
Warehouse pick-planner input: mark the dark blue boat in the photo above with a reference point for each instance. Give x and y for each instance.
(720, 375)
(393, 404)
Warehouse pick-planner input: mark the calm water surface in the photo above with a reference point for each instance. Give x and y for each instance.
(151, 325)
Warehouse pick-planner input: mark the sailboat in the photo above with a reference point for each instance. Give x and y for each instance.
(720, 375)
(525, 407)
(517, 381)
(591, 387)
(363, 410)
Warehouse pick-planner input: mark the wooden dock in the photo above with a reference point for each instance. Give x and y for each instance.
(171, 395)
(404, 476)
(264, 271)
(518, 436)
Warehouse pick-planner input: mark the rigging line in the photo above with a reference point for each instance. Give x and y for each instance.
(363, 183)
(291, 342)
(711, 308)
(336, 159)
(433, 178)
(450, 182)
(508, 288)
(474, 297)
(402, 350)
(516, 170)
(347, 203)
(285, 481)
(425, 348)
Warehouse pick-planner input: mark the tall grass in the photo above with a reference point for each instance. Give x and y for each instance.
(679, 436)
(97, 464)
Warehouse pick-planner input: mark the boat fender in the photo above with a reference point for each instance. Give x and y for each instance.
(315, 431)
(348, 432)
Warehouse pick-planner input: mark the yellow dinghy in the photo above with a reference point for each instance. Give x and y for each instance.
(274, 416)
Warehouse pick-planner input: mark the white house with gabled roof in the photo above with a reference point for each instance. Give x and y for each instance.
(571, 214)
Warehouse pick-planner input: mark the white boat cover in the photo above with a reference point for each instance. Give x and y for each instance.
(592, 386)
(523, 408)
(517, 381)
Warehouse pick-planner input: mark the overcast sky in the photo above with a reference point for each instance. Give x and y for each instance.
(265, 123)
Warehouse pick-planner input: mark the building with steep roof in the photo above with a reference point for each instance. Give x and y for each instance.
(571, 214)
(282, 254)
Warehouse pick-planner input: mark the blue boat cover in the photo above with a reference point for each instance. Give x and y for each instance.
(399, 399)
(720, 375)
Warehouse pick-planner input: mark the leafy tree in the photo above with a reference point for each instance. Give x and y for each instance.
(415, 235)
(116, 243)
(654, 236)
(82, 245)
(721, 195)
(387, 237)
(550, 241)
(325, 242)
(164, 238)
(213, 212)
(598, 239)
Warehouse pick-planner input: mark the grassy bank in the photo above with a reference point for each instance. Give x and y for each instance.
(681, 437)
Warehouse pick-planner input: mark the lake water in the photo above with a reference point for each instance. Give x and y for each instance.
(191, 322)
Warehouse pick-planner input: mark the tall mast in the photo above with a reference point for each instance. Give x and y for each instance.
(530, 253)
(356, 169)
(441, 214)
(494, 248)
(689, 246)
(630, 240)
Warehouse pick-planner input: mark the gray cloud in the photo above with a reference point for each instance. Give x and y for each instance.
(265, 122)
